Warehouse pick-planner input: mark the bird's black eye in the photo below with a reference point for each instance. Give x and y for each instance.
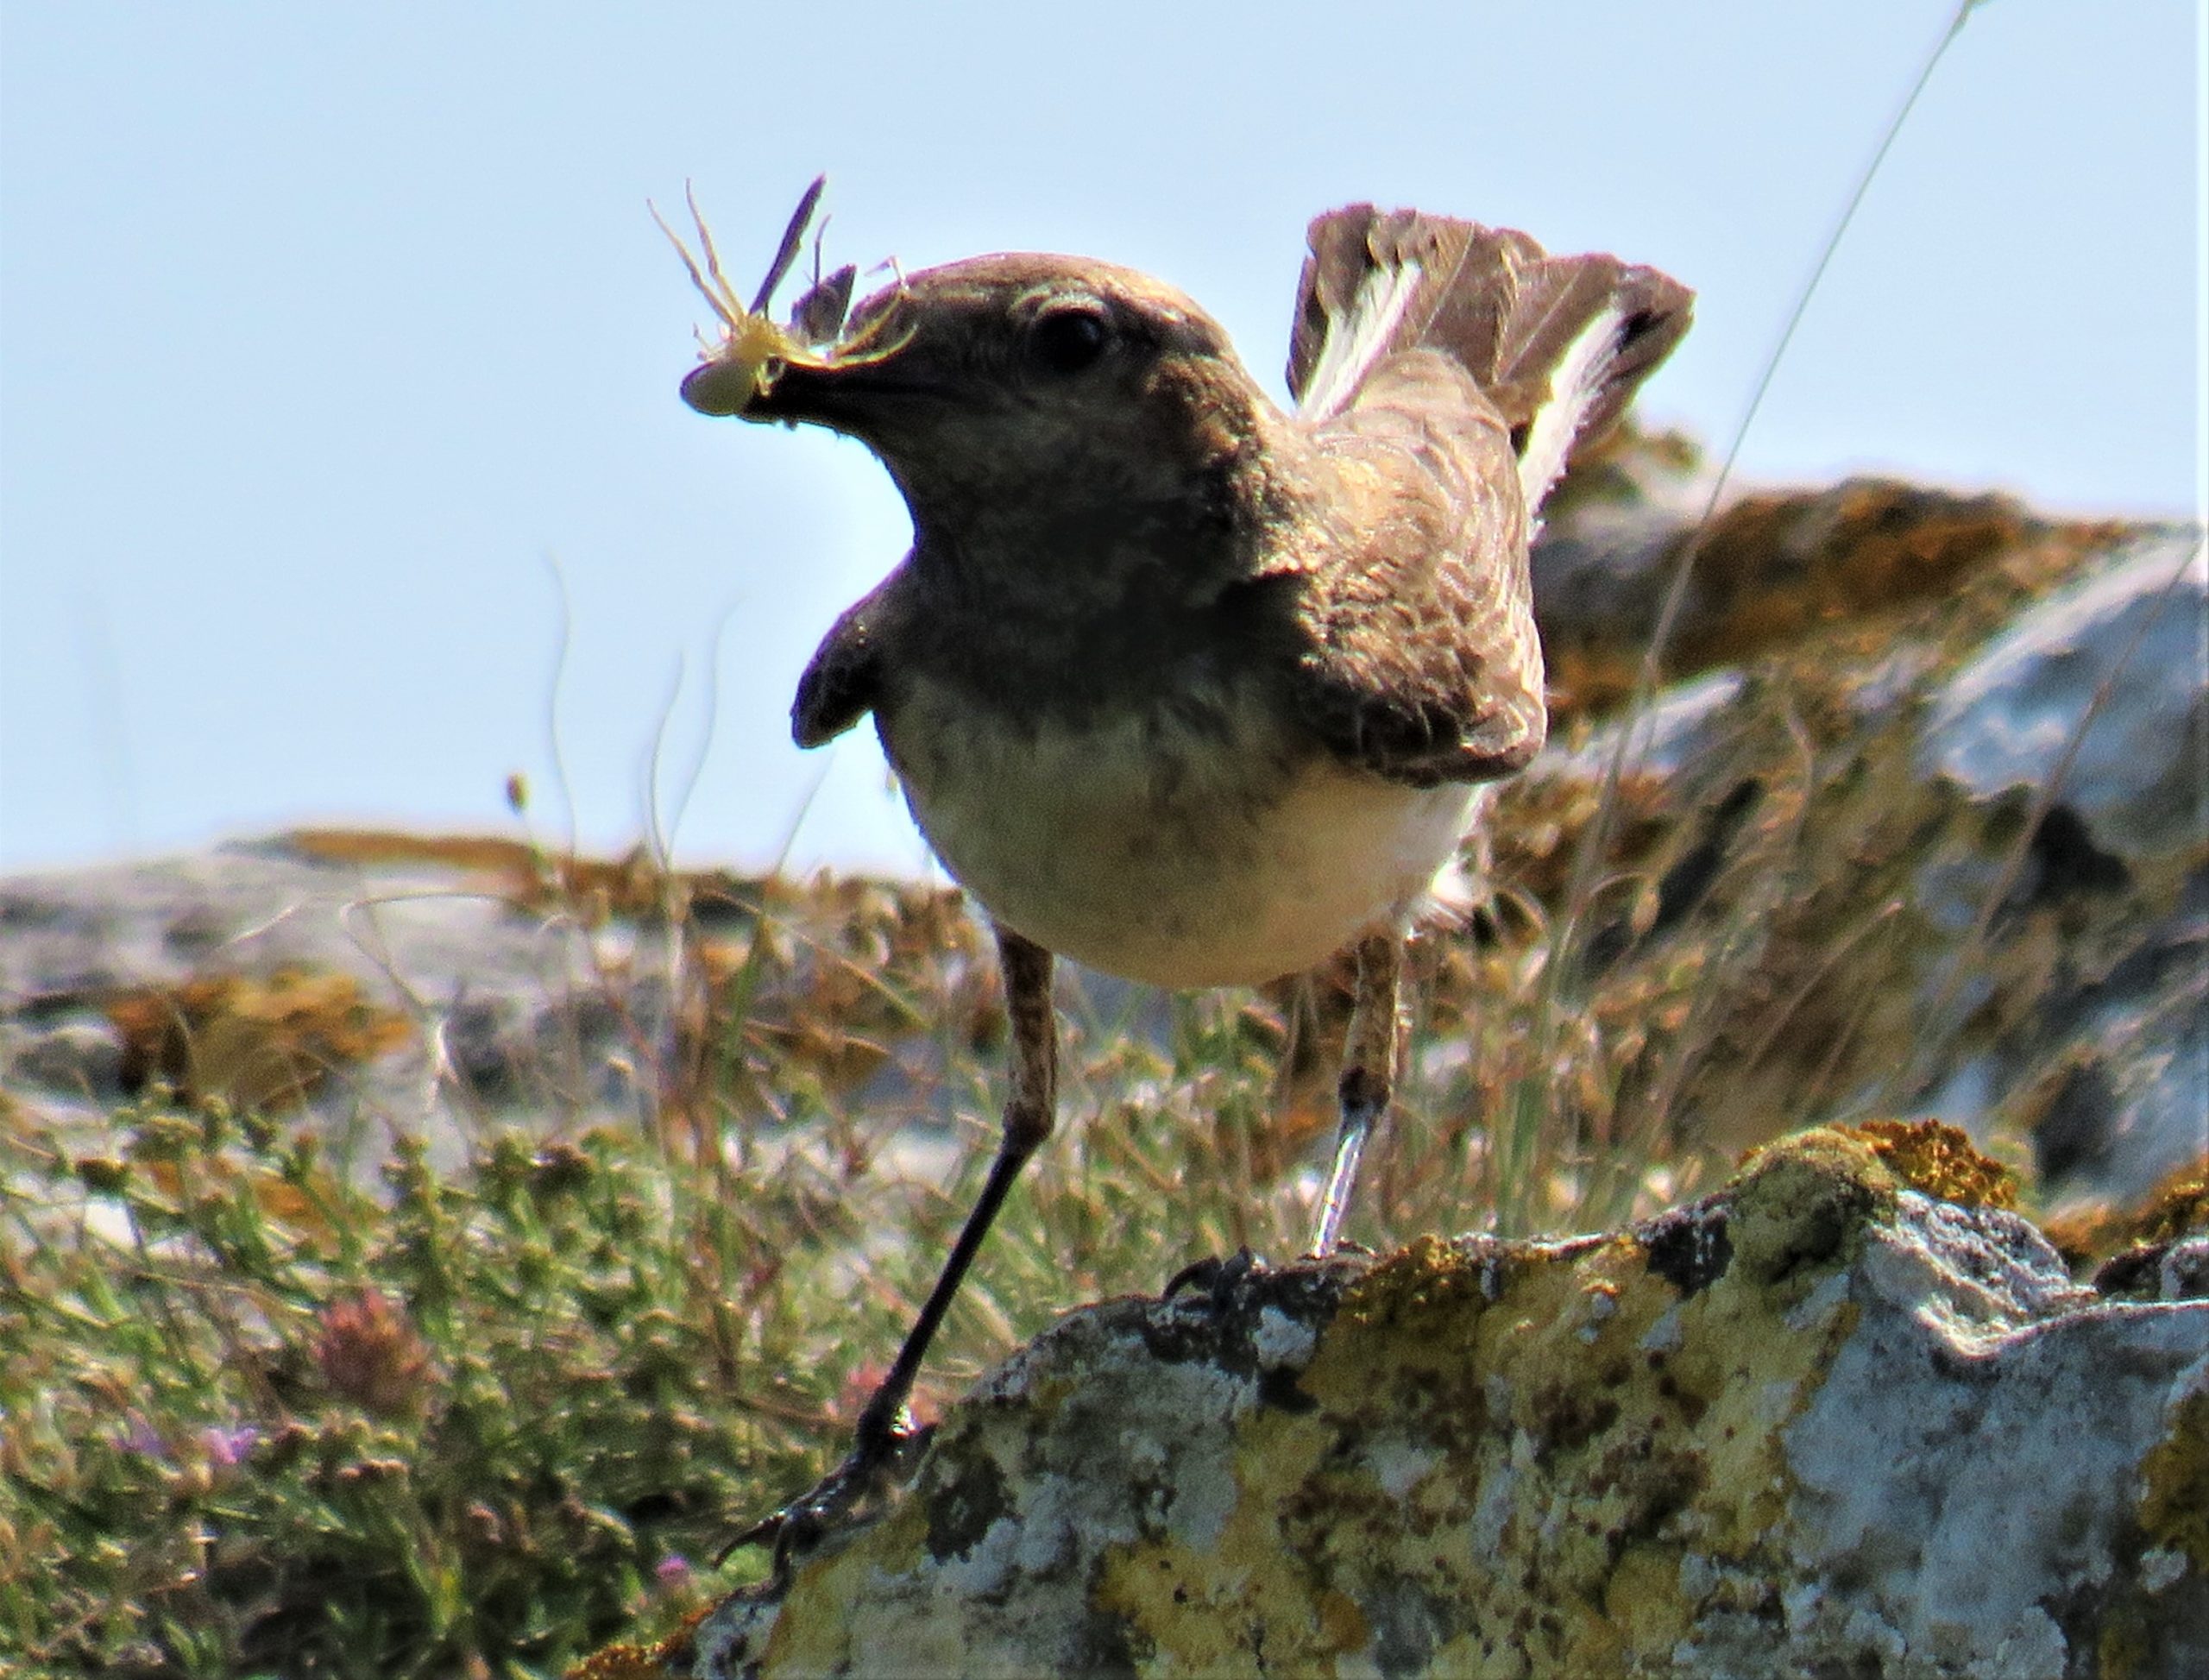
(1066, 340)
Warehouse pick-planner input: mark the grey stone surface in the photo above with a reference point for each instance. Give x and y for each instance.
(1868, 1433)
(2128, 644)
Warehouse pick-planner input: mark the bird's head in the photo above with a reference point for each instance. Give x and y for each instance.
(1091, 407)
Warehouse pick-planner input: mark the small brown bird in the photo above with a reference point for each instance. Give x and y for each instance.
(1180, 686)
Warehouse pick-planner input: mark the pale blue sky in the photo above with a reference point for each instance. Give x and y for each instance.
(323, 328)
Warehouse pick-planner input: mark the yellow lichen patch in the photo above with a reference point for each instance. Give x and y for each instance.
(1479, 1655)
(1197, 1610)
(620, 1662)
(1342, 1625)
(1403, 1340)
(2174, 1507)
(1606, 1426)
(369, 846)
(813, 1635)
(1595, 1445)
(1772, 571)
(628, 1661)
(2178, 1206)
(1774, 566)
(258, 1043)
(1938, 1160)
(529, 877)
(1423, 1286)
(1315, 1519)
(1803, 1200)
(1643, 1601)
(1828, 574)
(1746, 1390)
(1191, 1616)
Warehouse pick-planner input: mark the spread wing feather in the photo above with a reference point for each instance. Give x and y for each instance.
(1446, 372)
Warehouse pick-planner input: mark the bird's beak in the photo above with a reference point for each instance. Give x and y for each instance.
(841, 386)
(818, 394)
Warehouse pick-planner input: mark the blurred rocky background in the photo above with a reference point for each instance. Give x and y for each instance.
(1904, 814)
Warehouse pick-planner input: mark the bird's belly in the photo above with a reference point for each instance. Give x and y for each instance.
(1178, 855)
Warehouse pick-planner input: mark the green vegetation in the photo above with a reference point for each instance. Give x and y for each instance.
(256, 1421)
(267, 1410)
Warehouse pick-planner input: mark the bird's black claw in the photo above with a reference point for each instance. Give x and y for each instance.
(882, 1460)
(1218, 1276)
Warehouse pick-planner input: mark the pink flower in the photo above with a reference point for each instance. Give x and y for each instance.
(369, 1351)
(229, 1447)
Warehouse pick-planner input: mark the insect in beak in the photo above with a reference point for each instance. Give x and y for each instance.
(754, 349)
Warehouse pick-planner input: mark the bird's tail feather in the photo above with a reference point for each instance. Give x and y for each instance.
(1558, 344)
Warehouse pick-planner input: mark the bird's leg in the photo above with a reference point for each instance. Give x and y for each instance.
(1028, 1118)
(1369, 1075)
(885, 1424)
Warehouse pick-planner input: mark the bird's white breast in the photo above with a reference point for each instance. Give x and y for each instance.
(1166, 854)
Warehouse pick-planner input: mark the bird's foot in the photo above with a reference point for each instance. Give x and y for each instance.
(881, 1460)
(1217, 1276)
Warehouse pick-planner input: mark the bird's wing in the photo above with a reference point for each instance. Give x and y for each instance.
(1447, 371)
(843, 680)
(1416, 653)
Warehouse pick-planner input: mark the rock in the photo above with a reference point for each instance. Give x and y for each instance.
(1822, 1422)
(1767, 570)
(2130, 642)
(1933, 837)
(2094, 706)
(423, 984)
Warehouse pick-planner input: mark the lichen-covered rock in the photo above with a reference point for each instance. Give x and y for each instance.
(2095, 705)
(2125, 643)
(422, 983)
(1767, 570)
(1824, 1422)
(1929, 834)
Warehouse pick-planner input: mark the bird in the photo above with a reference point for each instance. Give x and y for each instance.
(1179, 684)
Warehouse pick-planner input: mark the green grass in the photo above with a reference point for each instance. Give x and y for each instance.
(256, 1421)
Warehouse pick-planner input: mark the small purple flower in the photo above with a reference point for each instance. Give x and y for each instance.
(229, 1447)
(674, 1571)
(144, 1439)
